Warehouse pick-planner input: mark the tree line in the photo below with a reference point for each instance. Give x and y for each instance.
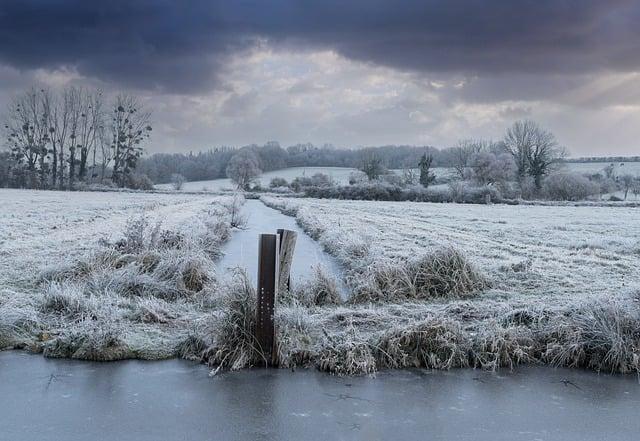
(58, 139)
(213, 163)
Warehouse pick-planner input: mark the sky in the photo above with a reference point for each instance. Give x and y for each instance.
(348, 73)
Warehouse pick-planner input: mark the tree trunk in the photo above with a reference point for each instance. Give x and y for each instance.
(82, 172)
(54, 165)
(61, 171)
(72, 166)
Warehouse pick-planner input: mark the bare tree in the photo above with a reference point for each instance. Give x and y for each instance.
(243, 168)
(28, 136)
(533, 149)
(627, 182)
(91, 119)
(130, 126)
(371, 165)
(635, 188)
(409, 176)
(517, 142)
(464, 153)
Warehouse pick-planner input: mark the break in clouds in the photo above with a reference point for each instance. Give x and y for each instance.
(360, 73)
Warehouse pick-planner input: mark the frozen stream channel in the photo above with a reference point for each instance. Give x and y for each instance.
(242, 248)
(53, 399)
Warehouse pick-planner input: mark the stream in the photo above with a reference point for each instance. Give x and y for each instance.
(57, 399)
(242, 249)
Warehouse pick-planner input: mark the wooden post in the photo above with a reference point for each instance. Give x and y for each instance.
(268, 269)
(287, 246)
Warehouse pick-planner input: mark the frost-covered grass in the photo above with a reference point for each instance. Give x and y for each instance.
(103, 276)
(555, 285)
(432, 285)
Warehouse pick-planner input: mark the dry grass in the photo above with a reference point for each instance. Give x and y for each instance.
(319, 290)
(156, 294)
(434, 343)
(134, 297)
(443, 273)
(233, 332)
(603, 335)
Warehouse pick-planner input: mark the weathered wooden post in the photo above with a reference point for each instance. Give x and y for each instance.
(287, 246)
(268, 269)
(275, 255)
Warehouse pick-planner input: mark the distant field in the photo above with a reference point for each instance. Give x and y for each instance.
(621, 168)
(338, 174)
(341, 174)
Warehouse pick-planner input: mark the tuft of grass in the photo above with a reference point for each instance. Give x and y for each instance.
(19, 320)
(444, 273)
(346, 354)
(234, 343)
(95, 340)
(496, 346)
(600, 335)
(320, 290)
(192, 348)
(152, 310)
(295, 343)
(64, 299)
(435, 343)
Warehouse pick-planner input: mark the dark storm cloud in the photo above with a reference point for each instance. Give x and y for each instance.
(180, 46)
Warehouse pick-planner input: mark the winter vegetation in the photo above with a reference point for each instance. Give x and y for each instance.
(133, 275)
(454, 286)
(76, 139)
(512, 279)
(73, 137)
(527, 165)
(105, 276)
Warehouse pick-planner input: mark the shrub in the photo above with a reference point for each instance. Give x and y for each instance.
(381, 191)
(317, 180)
(138, 182)
(357, 177)
(566, 186)
(278, 182)
(177, 181)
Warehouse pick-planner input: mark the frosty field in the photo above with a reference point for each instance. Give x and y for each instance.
(529, 251)
(339, 174)
(96, 276)
(106, 275)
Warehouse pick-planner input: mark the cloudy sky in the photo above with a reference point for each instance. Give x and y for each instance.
(350, 73)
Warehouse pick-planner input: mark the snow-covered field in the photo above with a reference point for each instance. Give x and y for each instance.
(529, 251)
(94, 276)
(339, 174)
(39, 228)
(107, 275)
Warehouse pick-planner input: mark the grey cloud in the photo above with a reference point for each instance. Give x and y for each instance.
(182, 46)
